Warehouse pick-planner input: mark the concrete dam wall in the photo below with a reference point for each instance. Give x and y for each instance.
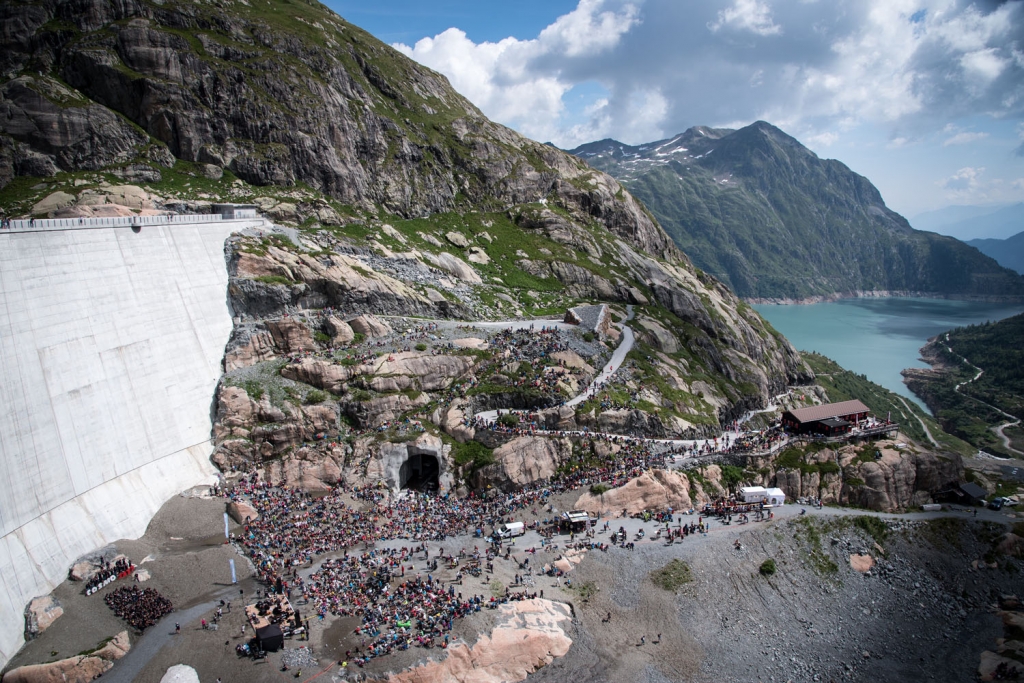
(111, 344)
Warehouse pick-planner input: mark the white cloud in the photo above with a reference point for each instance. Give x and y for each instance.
(520, 82)
(747, 15)
(964, 180)
(905, 66)
(964, 138)
(587, 29)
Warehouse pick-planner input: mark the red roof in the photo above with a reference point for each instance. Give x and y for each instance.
(824, 412)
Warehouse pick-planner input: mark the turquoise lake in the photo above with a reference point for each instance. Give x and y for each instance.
(877, 337)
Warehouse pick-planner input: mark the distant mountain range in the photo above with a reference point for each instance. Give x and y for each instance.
(1009, 253)
(973, 222)
(758, 210)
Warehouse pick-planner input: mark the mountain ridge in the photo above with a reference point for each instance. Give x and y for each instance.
(760, 211)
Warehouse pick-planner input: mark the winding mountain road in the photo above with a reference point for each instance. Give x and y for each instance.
(997, 429)
(619, 355)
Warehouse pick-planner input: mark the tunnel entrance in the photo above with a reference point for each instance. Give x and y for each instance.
(420, 473)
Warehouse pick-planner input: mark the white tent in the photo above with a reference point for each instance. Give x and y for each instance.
(753, 494)
(776, 497)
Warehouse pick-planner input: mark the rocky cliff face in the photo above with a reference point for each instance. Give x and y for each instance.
(406, 201)
(278, 95)
(878, 475)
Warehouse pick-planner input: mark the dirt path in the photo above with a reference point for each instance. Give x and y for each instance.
(927, 431)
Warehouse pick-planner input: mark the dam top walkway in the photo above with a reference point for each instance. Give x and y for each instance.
(54, 224)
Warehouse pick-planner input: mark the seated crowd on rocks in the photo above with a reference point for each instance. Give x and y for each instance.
(294, 528)
(140, 608)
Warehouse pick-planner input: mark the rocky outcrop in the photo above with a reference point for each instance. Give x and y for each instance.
(247, 431)
(389, 463)
(40, 613)
(266, 285)
(376, 411)
(529, 634)
(242, 512)
(900, 480)
(79, 669)
(652, 490)
(291, 336)
(339, 331)
(369, 325)
(522, 461)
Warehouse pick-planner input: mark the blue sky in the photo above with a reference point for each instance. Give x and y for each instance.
(924, 97)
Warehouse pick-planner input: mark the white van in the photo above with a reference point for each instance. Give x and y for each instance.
(512, 529)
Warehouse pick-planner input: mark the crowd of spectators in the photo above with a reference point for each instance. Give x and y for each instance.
(140, 608)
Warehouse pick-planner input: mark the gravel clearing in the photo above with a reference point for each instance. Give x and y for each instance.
(923, 613)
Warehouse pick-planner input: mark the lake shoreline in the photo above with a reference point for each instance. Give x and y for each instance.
(876, 336)
(885, 294)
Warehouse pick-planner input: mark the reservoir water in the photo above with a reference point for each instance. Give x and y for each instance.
(877, 337)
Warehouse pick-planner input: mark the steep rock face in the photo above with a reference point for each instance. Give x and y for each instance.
(248, 431)
(267, 284)
(522, 461)
(337, 110)
(900, 480)
(653, 490)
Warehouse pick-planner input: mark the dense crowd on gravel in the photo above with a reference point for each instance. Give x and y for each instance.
(140, 608)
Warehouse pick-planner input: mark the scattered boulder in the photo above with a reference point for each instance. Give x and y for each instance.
(995, 667)
(470, 343)
(370, 325)
(291, 336)
(457, 238)
(180, 673)
(212, 172)
(478, 255)
(339, 330)
(862, 563)
(453, 265)
(392, 233)
(40, 613)
(78, 669)
(242, 512)
(53, 202)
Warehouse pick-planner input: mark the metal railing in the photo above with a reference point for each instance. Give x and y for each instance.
(31, 224)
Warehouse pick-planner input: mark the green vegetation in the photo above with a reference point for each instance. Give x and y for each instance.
(809, 532)
(274, 280)
(585, 589)
(673, 575)
(509, 420)
(315, 396)
(421, 346)
(731, 476)
(497, 588)
(971, 412)
(873, 527)
(599, 489)
(472, 453)
(253, 388)
(767, 567)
